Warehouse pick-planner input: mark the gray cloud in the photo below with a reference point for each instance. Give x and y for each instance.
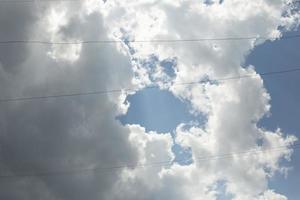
(64, 134)
(16, 22)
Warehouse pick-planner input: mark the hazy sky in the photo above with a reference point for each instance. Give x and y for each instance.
(174, 141)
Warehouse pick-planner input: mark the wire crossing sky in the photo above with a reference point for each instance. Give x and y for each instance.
(147, 87)
(165, 163)
(207, 133)
(40, 42)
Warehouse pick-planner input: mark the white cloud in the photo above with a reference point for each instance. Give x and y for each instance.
(83, 132)
(269, 194)
(233, 108)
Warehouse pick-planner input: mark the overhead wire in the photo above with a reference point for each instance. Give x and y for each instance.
(41, 42)
(161, 163)
(152, 164)
(101, 92)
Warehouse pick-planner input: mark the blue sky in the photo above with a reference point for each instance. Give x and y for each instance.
(57, 148)
(285, 98)
(160, 111)
(157, 110)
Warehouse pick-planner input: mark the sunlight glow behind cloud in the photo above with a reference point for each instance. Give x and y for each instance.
(84, 132)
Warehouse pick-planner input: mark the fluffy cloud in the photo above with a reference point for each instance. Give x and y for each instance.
(68, 134)
(232, 108)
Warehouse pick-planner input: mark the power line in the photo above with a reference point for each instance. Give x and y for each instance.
(297, 69)
(101, 92)
(253, 151)
(153, 164)
(41, 42)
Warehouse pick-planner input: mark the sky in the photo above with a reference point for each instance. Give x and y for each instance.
(285, 97)
(149, 135)
(167, 111)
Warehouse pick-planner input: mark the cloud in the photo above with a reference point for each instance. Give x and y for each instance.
(66, 134)
(232, 108)
(62, 134)
(271, 195)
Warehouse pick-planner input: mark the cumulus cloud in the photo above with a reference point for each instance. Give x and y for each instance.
(68, 134)
(232, 108)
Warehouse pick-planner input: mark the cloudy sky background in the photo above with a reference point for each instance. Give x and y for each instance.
(54, 140)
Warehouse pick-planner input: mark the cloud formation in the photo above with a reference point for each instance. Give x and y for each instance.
(66, 134)
(56, 135)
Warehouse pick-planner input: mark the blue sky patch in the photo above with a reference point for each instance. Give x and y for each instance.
(169, 66)
(160, 111)
(157, 110)
(285, 97)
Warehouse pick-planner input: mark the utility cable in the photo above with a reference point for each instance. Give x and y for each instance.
(153, 164)
(41, 42)
(102, 92)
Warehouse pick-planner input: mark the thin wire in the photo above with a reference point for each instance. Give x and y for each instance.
(40, 42)
(297, 69)
(153, 164)
(101, 92)
(254, 151)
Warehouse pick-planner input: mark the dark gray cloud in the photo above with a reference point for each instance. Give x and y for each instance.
(63, 134)
(16, 24)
